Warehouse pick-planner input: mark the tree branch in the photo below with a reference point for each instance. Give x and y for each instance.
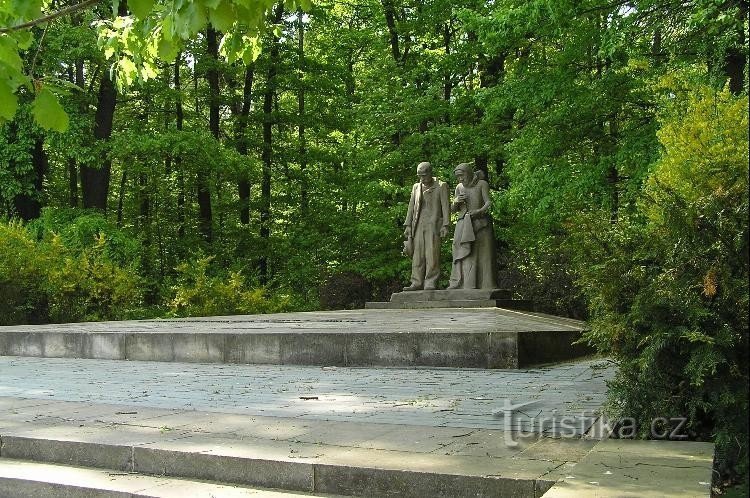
(67, 10)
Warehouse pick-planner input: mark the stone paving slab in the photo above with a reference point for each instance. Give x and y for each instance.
(475, 338)
(342, 321)
(639, 469)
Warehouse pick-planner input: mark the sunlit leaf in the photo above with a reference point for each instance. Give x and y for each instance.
(48, 113)
(8, 101)
(222, 17)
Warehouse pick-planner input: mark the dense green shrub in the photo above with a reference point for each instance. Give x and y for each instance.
(668, 285)
(79, 230)
(22, 277)
(84, 284)
(345, 290)
(199, 293)
(67, 268)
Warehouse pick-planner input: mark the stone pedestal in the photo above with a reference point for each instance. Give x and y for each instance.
(453, 298)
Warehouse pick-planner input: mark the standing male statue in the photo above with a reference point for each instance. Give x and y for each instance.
(474, 240)
(427, 221)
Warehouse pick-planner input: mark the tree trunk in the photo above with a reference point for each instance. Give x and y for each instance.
(29, 206)
(79, 81)
(242, 113)
(736, 56)
(390, 21)
(447, 79)
(121, 197)
(205, 219)
(267, 156)
(72, 183)
(180, 116)
(491, 72)
(95, 180)
(301, 112)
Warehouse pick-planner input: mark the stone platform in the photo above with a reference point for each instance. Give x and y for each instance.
(474, 338)
(453, 298)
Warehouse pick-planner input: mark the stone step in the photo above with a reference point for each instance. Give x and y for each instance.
(441, 337)
(453, 298)
(299, 467)
(510, 304)
(26, 479)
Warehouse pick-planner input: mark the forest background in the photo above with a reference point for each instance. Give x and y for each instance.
(230, 156)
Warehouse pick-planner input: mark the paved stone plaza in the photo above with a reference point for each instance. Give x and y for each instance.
(165, 429)
(431, 397)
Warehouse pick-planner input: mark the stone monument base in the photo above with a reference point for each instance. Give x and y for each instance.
(440, 337)
(453, 298)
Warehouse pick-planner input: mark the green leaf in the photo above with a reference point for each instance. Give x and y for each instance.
(252, 50)
(48, 113)
(197, 17)
(8, 101)
(167, 49)
(305, 4)
(9, 52)
(24, 39)
(28, 9)
(141, 8)
(222, 17)
(126, 72)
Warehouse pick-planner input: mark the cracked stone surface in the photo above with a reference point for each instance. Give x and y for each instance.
(474, 423)
(562, 399)
(367, 321)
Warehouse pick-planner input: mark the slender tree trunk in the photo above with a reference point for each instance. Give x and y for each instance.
(301, 112)
(447, 77)
(121, 196)
(95, 180)
(29, 206)
(144, 210)
(79, 81)
(267, 155)
(491, 72)
(145, 203)
(389, 11)
(72, 183)
(180, 116)
(242, 115)
(204, 190)
(390, 20)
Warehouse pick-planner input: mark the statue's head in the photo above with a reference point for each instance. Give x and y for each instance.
(464, 173)
(424, 172)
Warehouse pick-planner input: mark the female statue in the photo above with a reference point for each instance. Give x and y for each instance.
(474, 240)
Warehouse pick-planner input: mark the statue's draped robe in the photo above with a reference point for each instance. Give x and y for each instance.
(473, 243)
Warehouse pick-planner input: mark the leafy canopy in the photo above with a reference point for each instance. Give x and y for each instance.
(150, 31)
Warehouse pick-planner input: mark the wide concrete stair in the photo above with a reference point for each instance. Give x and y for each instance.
(350, 459)
(457, 338)
(25, 479)
(88, 450)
